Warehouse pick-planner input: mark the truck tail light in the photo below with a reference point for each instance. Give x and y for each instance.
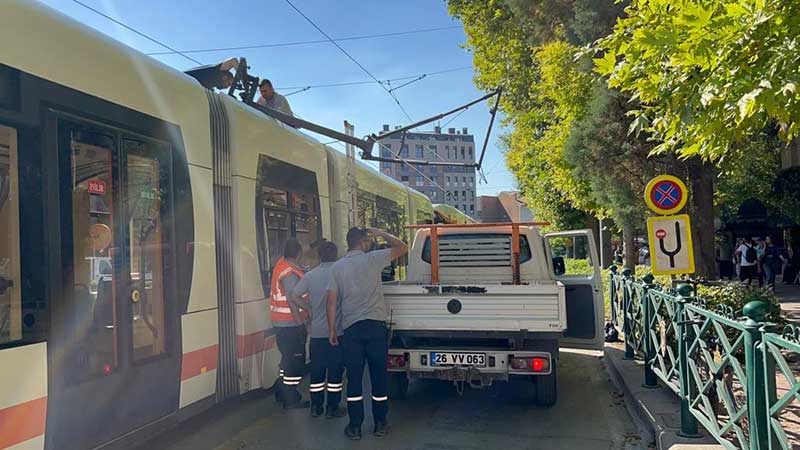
(395, 361)
(536, 364)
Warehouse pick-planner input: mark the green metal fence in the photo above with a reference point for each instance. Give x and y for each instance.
(730, 369)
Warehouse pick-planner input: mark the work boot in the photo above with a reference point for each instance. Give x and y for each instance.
(335, 412)
(353, 432)
(317, 410)
(381, 429)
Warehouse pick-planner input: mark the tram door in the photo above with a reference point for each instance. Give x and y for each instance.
(114, 350)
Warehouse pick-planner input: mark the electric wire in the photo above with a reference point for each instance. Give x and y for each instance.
(296, 43)
(131, 29)
(389, 80)
(355, 61)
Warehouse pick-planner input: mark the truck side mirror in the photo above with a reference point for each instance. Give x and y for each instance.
(558, 265)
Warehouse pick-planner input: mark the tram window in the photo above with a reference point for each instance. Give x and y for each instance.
(307, 232)
(147, 191)
(278, 231)
(93, 210)
(10, 298)
(287, 206)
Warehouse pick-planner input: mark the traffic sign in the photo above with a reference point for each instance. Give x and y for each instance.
(665, 194)
(670, 239)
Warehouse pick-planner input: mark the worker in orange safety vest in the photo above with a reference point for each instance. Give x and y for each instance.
(290, 326)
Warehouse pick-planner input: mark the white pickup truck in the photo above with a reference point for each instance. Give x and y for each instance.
(476, 308)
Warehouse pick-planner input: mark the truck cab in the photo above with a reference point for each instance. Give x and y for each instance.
(491, 302)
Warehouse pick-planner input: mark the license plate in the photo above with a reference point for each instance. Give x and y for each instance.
(458, 359)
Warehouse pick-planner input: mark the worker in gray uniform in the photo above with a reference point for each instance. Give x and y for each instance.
(327, 366)
(356, 285)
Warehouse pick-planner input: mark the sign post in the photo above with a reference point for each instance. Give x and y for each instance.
(669, 235)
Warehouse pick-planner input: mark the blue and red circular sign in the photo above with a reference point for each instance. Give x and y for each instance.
(665, 194)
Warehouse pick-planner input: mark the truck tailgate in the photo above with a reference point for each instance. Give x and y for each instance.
(539, 307)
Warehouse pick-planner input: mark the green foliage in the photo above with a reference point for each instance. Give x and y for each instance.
(786, 193)
(615, 163)
(574, 266)
(709, 74)
(529, 49)
(735, 295)
(749, 173)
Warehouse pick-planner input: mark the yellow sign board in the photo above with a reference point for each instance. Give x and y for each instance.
(670, 239)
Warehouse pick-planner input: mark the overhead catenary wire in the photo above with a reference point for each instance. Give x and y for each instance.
(317, 41)
(429, 180)
(349, 56)
(137, 32)
(388, 80)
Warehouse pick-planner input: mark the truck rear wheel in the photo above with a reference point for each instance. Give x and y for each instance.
(398, 385)
(547, 388)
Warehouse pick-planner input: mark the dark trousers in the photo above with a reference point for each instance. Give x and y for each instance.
(365, 342)
(327, 368)
(292, 345)
(748, 273)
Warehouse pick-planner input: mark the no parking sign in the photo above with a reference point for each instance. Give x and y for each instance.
(665, 194)
(669, 236)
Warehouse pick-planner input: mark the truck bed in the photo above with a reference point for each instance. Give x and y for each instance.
(534, 307)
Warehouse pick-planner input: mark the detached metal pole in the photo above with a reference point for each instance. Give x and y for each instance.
(757, 405)
(688, 421)
(650, 378)
(627, 326)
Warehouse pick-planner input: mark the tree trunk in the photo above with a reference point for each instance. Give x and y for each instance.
(629, 245)
(701, 180)
(606, 253)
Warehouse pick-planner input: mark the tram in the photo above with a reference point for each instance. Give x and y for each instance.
(140, 216)
(449, 214)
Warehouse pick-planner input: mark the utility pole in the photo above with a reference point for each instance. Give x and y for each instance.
(350, 150)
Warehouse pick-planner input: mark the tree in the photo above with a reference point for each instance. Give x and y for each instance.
(616, 164)
(544, 92)
(708, 74)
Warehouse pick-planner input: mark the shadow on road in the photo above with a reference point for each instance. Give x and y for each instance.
(589, 415)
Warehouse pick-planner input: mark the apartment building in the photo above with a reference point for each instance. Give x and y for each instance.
(450, 185)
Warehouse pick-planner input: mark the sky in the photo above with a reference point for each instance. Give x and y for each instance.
(204, 24)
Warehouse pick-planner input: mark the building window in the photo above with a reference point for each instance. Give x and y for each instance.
(432, 149)
(447, 181)
(471, 180)
(420, 181)
(472, 208)
(404, 178)
(419, 152)
(462, 153)
(464, 195)
(470, 152)
(404, 169)
(404, 151)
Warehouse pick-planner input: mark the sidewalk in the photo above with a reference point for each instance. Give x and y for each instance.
(789, 296)
(658, 409)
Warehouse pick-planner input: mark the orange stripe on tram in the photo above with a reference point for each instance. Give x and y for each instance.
(22, 422)
(253, 343)
(198, 362)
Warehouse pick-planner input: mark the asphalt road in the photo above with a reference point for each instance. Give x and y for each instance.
(589, 415)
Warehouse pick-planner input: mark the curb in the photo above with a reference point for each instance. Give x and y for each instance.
(656, 409)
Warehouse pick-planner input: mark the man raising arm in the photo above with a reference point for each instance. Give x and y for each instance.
(355, 285)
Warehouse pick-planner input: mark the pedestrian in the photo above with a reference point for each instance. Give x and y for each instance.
(327, 365)
(289, 322)
(748, 261)
(760, 249)
(772, 262)
(272, 99)
(356, 285)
